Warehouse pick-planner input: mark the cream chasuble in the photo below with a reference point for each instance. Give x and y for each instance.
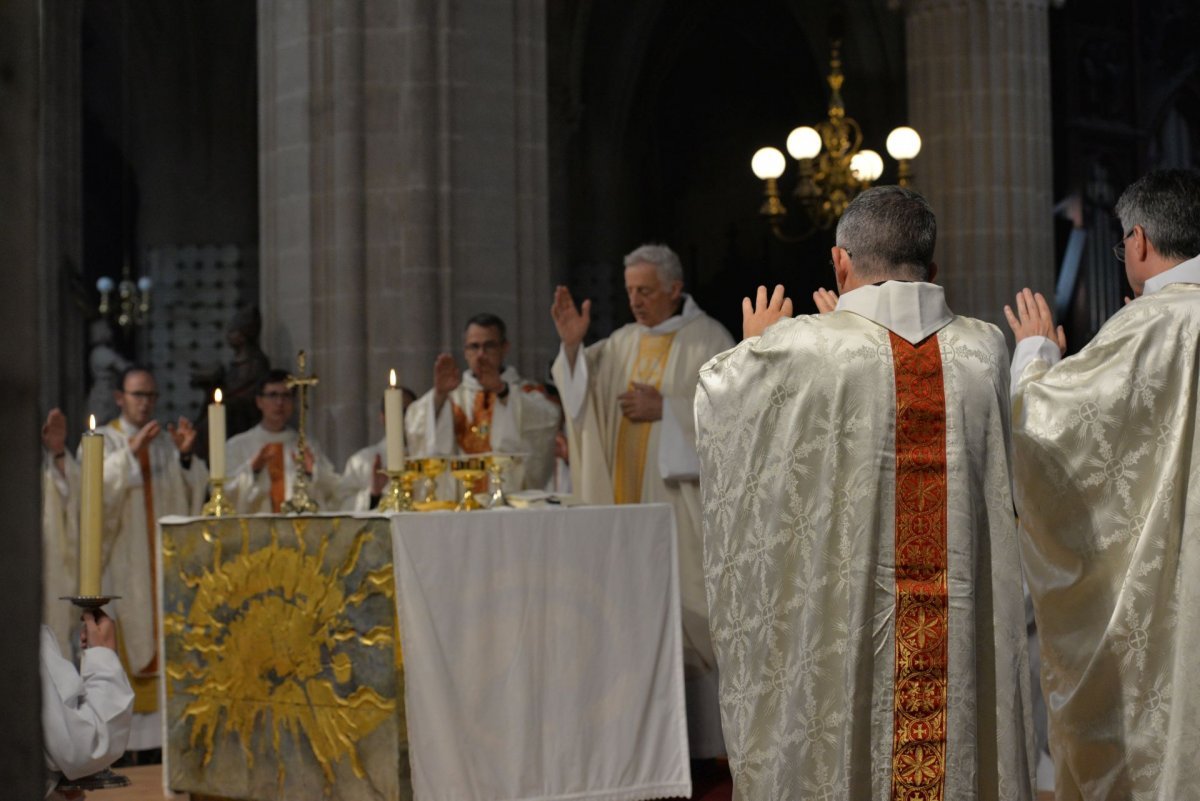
(264, 492)
(633, 438)
(1107, 465)
(669, 472)
(861, 556)
(475, 421)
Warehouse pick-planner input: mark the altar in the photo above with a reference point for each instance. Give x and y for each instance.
(509, 654)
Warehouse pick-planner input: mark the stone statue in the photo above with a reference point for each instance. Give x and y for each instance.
(239, 379)
(106, 366)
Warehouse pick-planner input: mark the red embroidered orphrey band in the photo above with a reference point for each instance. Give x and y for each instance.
(919, 731)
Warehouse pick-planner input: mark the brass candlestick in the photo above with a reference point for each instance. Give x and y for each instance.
(218, 505)
(398, 495)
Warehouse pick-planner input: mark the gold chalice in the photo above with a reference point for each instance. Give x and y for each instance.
(497, 465)
(431, 467)
(468, 470)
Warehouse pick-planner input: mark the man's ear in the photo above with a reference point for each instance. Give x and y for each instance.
(932, 271)
(1138, 245)
(841, 267)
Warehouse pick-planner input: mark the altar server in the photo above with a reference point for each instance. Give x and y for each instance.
(860, 547)
(86, 713)
(363, 478)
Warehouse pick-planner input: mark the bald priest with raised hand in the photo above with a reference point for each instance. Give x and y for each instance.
(860, 547)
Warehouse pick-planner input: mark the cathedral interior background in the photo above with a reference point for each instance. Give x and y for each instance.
(372, 174)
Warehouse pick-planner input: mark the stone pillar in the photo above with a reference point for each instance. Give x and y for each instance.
(61, 326)
(979, 94)
(403, 188)
(22, 762)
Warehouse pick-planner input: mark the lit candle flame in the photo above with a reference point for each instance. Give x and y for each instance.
(392, 377)
(92, 423)
(217, 396)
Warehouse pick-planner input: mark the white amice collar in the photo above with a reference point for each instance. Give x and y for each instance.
(911, 309)
(1186, 272)
(689, 312)
(508, 375)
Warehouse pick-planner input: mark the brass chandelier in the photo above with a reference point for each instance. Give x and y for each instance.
(833, 168)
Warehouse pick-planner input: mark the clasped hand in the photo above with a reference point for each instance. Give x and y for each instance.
(642, 403)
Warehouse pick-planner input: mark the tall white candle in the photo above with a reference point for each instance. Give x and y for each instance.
(91, 510)
(216, 438)
(393, 423)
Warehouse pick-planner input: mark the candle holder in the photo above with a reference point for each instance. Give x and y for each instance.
(398, 495)
(218, 505)
(89, 602)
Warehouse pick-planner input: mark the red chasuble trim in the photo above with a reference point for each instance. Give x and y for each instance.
(922, 607)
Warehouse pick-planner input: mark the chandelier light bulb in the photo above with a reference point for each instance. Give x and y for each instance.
(768, 162)
(804, 142)
(867, 165)
(903, 143)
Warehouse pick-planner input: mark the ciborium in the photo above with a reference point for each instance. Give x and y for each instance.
(468, 470)
(431, 468)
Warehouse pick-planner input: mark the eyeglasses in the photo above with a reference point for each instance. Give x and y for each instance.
(139, 395)
(1119, 248)
(275, 396)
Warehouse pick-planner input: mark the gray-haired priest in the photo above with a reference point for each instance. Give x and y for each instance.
(860, 543)
(628, 403)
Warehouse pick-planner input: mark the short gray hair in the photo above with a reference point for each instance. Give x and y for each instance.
(662, 257)
(1166, 203)
(890, 232)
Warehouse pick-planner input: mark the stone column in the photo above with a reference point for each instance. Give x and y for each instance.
(403, 188)
(979, 94)
(22, 761)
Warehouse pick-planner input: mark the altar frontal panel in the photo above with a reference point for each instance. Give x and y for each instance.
(284, 675)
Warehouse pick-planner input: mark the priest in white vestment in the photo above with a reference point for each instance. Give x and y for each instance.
(86, 713)
(263, 460)
(363, 478)
(861, 552)
(631, 434)
(488, 407)
(148, 473)
(1107, 471)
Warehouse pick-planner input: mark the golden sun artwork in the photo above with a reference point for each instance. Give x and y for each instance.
(266, 648)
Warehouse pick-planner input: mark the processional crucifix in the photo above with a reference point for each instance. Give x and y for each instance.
(301, 502)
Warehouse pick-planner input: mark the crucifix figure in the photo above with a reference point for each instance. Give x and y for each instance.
(301, 502)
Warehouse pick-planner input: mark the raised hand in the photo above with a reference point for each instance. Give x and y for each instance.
(446, 378)
(826, 300)
(570, 322)
(145, 436)
(184, 435)
(758, 317)
(54, 432)
(1034, 319)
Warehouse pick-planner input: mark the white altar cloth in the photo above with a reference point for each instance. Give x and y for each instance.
(542, 654)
